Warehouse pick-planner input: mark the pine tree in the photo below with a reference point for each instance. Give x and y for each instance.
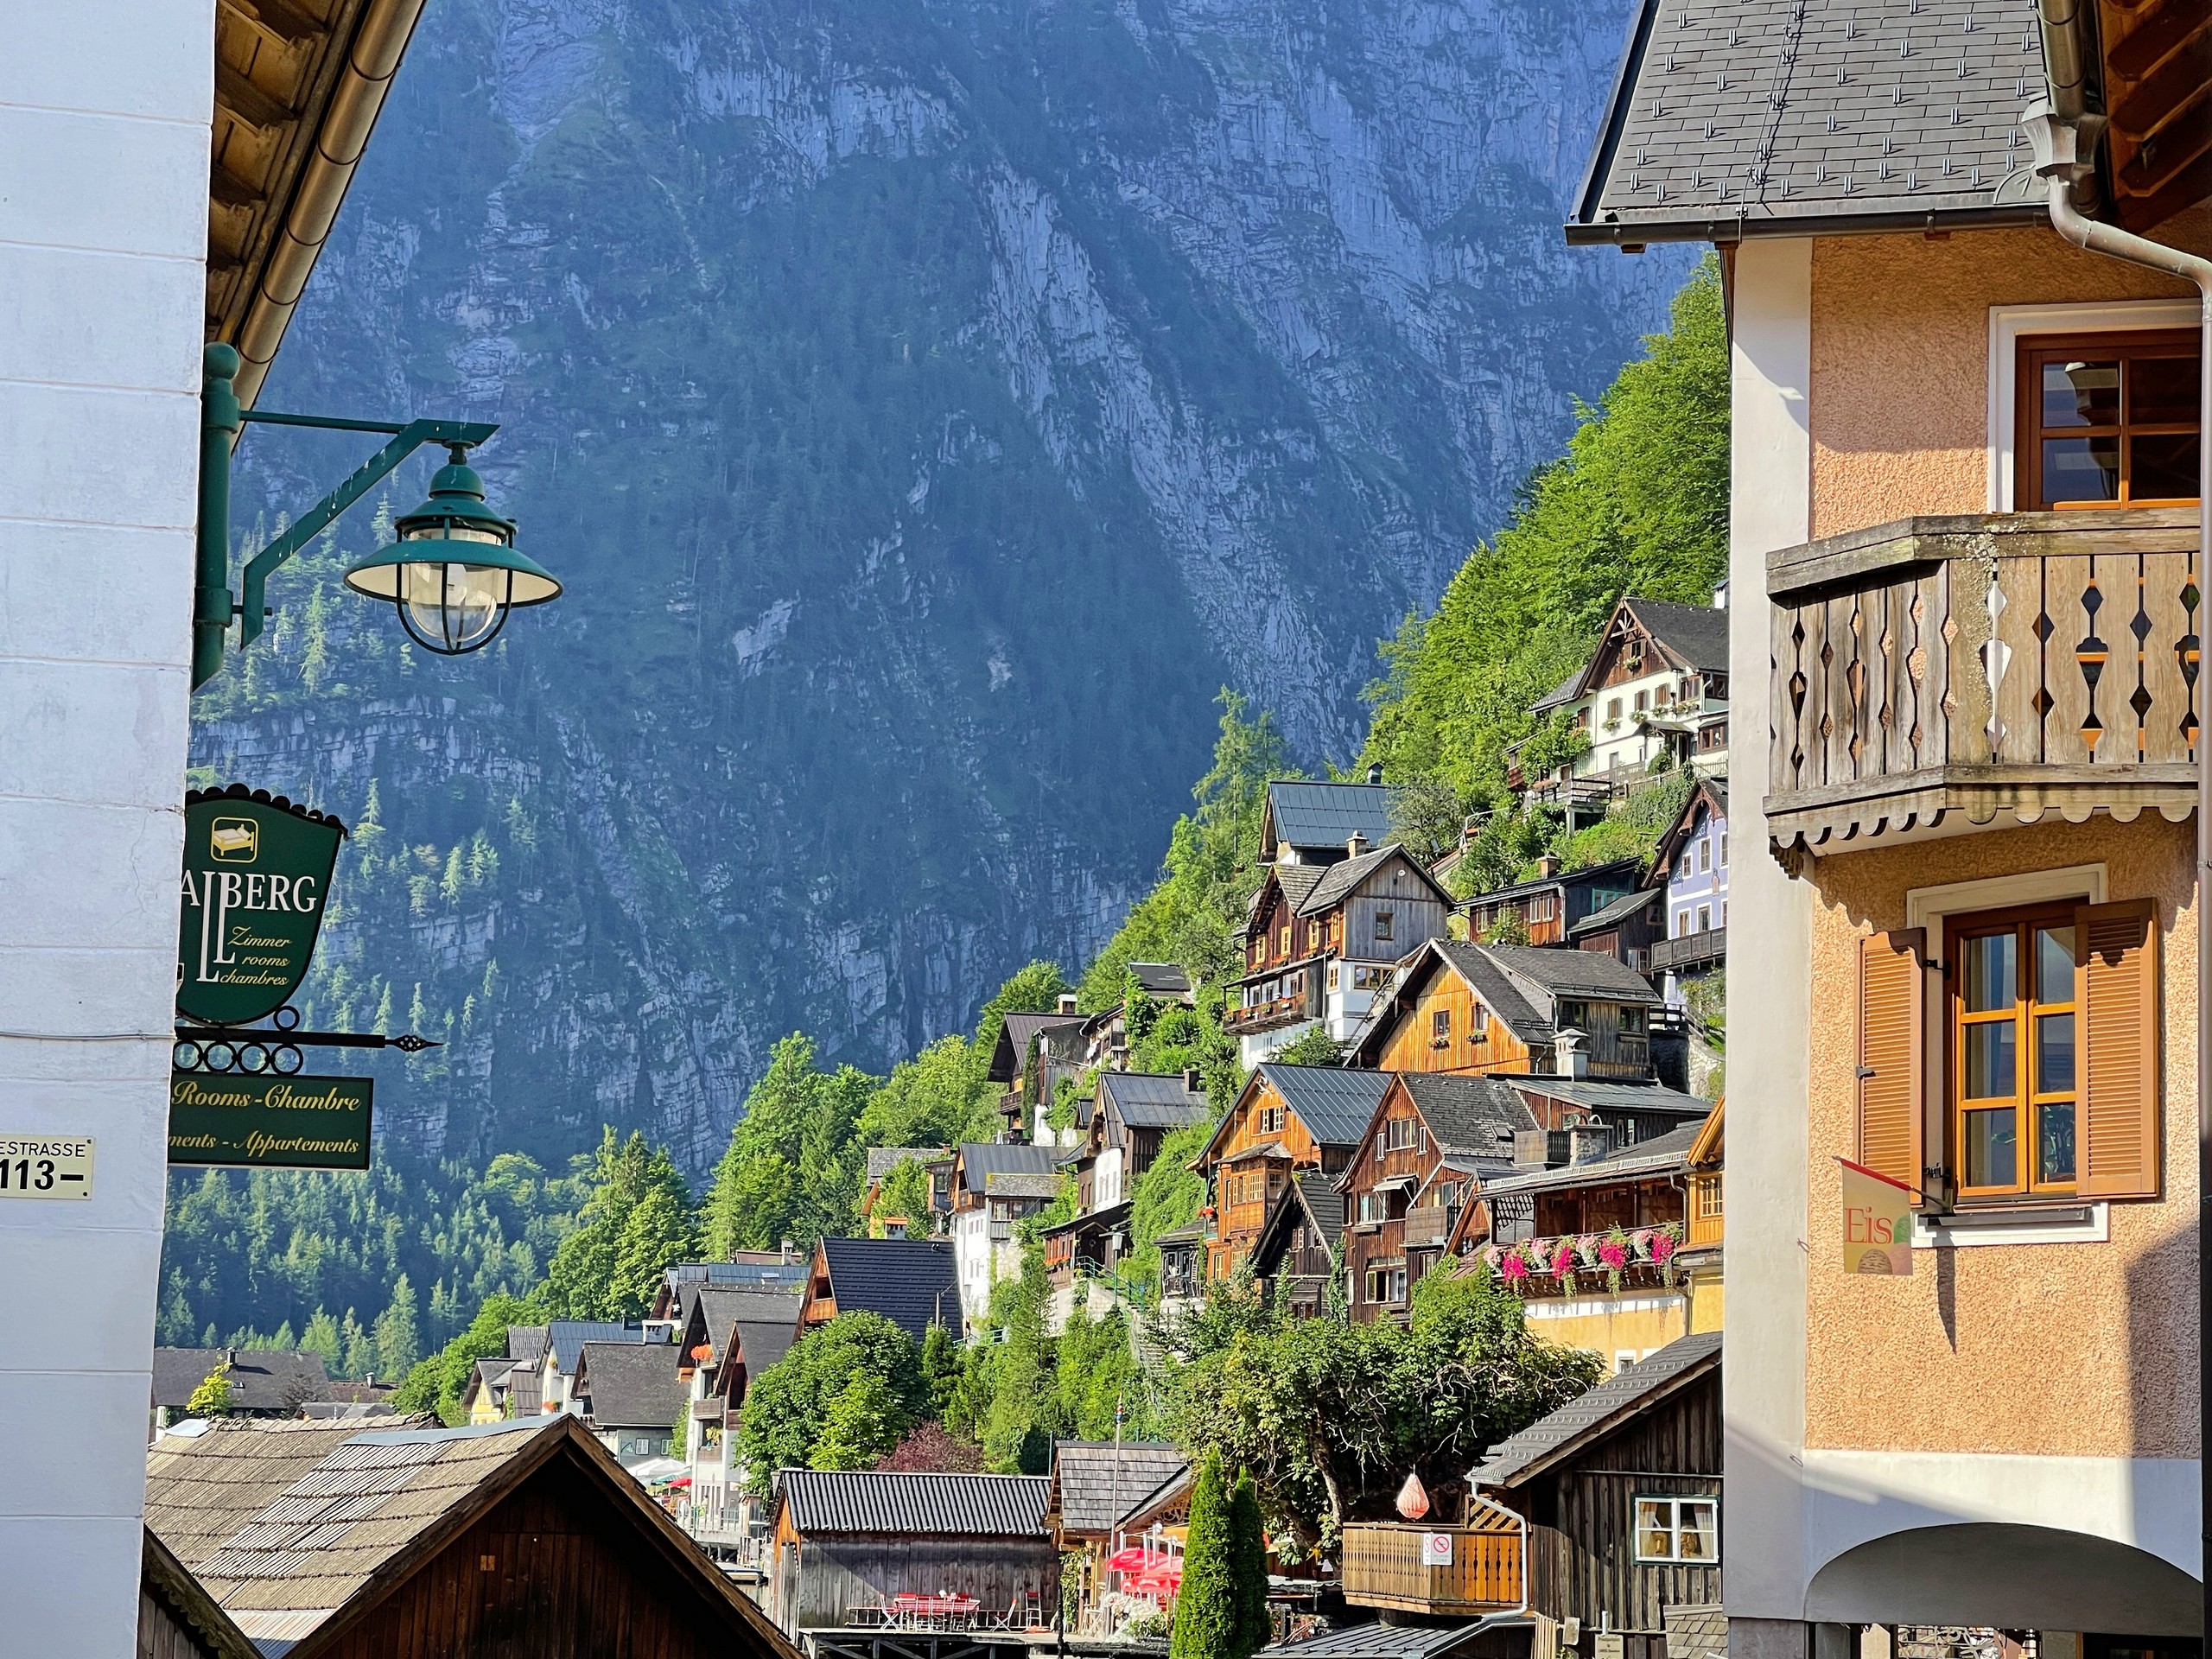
(360, 1348)
(1248, 1558)
(941, 1369)
(398, 1335)
(634, 1223)
(321, 1337)
(1207, 1617)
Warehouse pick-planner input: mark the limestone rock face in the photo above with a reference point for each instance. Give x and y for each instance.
(930, 404)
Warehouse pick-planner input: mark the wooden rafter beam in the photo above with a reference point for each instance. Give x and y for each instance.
(235, 94)
(280, 18)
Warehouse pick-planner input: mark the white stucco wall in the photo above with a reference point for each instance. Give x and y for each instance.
(1762, 1381)
(105, 107)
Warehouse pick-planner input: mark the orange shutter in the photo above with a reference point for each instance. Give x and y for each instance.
(2116, 987)
(1892, 1054)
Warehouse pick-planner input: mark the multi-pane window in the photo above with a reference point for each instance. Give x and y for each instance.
(1439, 1028)
(1401, 1134)
(1386, 923)
(2108, 419)
(2014, 1071)
(1686, 1530)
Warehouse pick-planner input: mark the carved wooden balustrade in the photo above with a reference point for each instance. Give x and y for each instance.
(1982, 671)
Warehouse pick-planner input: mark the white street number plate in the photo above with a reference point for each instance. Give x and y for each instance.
(45, 1166)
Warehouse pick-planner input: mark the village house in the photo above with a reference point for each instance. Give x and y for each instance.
(1321, 941)
(630, 1395)
(1296, 1250)
(1317, 820)
(177, 1618)
(845, 1545)
(564, 1341)
(911, 1282)
(1034, 1052)
(1691, 867)
(731, 1338)
(1572, 1196)
(783, 1269)
(1656, 689)
(1516, 1008)
(1134, 1112)
(1286, 1120)
(995, 1184)
(264, 1382)
(881, 1160)
(1966, 558)
(324, 1542)
(1547, 907)
(1117, 1510)
(1183, 1256)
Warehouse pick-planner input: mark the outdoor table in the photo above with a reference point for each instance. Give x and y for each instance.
(911, 1610)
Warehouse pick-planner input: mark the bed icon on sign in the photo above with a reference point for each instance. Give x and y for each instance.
(234, 841)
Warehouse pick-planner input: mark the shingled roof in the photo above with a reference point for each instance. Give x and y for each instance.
(1096, 1482)
(935, 1505)
(758, 1315)
(1603, 1409)
(565, 1339)
(1742, 118)
(909, 1281)
(1011, 1052)
(1469, 1117)
(630, 1385)
(202, 1488)
(261, 1379)
(1340, 879)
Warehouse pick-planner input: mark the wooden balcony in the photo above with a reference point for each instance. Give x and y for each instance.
(1389, 1565)
(1982, 671)
(1706, 1225)
(1689, 951)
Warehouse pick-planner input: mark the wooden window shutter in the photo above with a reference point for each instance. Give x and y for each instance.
(2116, 949)
(1892, 1054)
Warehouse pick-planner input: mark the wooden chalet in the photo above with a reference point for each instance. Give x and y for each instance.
(1422, 1120)
(844, 1543)
(1286, 1120)
(522, 1537)
(1502, 1009)
(1654, 692)
(909, 1281)
(1620, 1492)
(1104, 1495)
(1551, 904)
(728, 1338)
(881, 1160)
(1132, 1112)
(1090, 1244)
(1023, 1063)
(1628, 930)
(1297, 1247)
(1321, 943)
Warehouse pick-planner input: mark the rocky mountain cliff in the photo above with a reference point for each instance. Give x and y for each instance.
(930, 404)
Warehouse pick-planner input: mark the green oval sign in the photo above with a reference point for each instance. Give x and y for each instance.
(257, 873)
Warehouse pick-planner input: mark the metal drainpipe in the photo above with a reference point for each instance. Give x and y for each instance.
(211, 588)
(2063, 159)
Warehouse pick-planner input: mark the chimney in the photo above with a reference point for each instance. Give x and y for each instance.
(1285, 852)
(1587, 1143)
(1548, 865)
(230, 1356)
(1192, 1085)
(1355, 843)
(1569, 1058)
(1067, 1002)
(1375, 772)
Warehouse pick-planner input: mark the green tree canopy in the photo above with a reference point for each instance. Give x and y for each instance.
(792, 1170)
(790, 1407)
(438, 1383)
(904, 1194)
(635, 1221)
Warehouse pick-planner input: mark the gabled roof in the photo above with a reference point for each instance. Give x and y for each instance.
(324, 1552)
(978, 1161)
(1625, 870)
(717, 1312)
(486, 1377)
(1161, 978)
(1661, 1155)
(1625, 908)
(1578, 974)
(166, 1580)
(1709, 1147)
(1094, 1483)
(1344, 878)
(821, 1502)
(1313, 1200)
(1709, 795)
(1333, 1102)
(1468, 1116)
(1023, 1184)
(1295, 882)
(202, 1489)
(1609, 1406)
(1603, 1094)
(525, 1341)
(1693, 638)
(1012, 1051)
(909, 1281)
(1147, 1100)
(630, 1385)
(1323, 817)
(261, 1379)
(565, 1337)
(1114, 1217)
(881, 1160)
(1798, 117)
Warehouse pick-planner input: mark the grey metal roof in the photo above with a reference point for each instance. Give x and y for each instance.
(980, 1160)
(1380, 1641)
(629, 1384)
(1148, 1099)
(766, 1268)
(1601, 1410)
(1161, 978)
(1743, 117)
(1095, 1482)
(525, 1342)
(1621, 910)
(937, 1505)
(1662, 1154)
(261, 1379)
(565, 1336)
(1600, 1095)
(1318, 1202)
(1023, 1184)
(1326, 814)
(1333, 1102)
(1570, 973)
(1474, 1116)
(909, 1281)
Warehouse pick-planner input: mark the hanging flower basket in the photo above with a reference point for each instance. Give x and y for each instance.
(1613, 1251)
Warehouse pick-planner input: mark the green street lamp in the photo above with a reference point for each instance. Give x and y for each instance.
(454, 575)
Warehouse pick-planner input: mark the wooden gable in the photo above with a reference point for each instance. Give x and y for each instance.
(1438, 1023)
(1259, 1115)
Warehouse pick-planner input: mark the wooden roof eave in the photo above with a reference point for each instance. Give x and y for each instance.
(1705, 1151)
(169, 1580)
(1588, 1436)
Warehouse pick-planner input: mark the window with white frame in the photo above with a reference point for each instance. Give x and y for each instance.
(1684, 1529)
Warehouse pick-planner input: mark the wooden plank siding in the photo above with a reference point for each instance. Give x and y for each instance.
(1582, 1547)
(1413, 1047)
(1415, 916)
(1380, 1242)
(1238, 1224)
(820, 1582)
(546, 1573)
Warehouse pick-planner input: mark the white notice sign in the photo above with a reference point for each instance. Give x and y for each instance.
(1436, 1549)
(45, 1166)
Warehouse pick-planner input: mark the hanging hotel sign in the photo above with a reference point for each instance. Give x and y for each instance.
(269, 1121)
(256, 872)
(1877, 1222)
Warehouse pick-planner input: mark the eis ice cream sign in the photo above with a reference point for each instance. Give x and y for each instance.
(256, 872)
